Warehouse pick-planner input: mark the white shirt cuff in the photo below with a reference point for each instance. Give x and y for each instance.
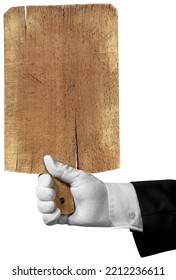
(124, 210)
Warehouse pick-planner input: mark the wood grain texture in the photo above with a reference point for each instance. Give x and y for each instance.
(61, 87)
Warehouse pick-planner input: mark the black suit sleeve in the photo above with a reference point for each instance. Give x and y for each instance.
(157, 201)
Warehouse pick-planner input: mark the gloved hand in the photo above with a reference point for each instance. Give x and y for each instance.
(96, 203)
(90, 196)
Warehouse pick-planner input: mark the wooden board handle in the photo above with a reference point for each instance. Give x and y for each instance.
(64, 199)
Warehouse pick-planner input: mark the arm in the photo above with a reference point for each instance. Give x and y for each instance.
(157, 200)
(148, 209)
(96, 203)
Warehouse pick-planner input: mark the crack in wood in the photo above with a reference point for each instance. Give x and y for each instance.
(25, 20)
(37, 80)
(76, 145)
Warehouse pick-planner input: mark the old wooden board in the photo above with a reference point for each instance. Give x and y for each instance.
(61, 88)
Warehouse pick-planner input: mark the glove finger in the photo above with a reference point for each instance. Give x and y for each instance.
(62, 171)
(46, 206)
(45, 194)
(53, 218)
(45, 181)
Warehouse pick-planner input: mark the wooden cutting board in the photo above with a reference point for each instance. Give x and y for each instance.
(61, 89)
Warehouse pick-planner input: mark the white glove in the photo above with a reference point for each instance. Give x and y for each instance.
(96, 203)
(90, 196)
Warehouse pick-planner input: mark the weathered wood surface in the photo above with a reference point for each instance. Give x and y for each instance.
(61, 87)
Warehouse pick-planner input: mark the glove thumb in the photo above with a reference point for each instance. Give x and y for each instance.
(61, 171)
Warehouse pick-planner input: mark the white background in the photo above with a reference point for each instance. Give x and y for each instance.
(147, 56)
